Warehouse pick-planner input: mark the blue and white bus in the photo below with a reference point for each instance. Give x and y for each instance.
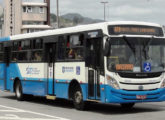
(111, 62)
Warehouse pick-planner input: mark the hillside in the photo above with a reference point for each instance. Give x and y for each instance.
(77, 18)
(73, 19)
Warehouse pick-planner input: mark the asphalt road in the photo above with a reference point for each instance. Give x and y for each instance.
(41, 109)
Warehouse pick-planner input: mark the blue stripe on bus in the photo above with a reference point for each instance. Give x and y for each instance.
(4, 39)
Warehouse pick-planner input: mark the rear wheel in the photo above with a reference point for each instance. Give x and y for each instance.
(18, 91)
(127, 105)
(78, 102)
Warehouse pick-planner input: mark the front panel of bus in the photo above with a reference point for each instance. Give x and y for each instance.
(135, 64)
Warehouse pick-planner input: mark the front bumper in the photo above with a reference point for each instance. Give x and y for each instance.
(123, 96)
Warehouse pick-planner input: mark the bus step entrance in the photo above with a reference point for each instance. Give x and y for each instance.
(49, 97)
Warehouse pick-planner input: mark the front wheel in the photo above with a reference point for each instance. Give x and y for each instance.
(78, 102)
(18, 91)
(127, 105)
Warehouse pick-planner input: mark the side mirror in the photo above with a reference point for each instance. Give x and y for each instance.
(107, 47)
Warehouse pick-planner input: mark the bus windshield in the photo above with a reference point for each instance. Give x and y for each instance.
(136, 55)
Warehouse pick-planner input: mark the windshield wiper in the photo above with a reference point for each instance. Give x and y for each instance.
(129, 44)
(146, 48)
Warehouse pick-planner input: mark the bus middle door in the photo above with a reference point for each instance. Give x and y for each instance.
(50, 53)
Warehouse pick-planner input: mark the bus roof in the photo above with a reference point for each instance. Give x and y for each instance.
(79, 28)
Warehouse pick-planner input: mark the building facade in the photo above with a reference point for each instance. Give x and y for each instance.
(25, 17)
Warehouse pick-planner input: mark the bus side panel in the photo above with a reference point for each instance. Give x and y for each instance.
(61, 89)
(2, 76)
(84, 88)
(65, 73)
(34, 87)
(32, 76)
(14, 73)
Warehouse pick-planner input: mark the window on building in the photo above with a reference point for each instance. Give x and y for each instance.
(24, 9)
(41, 10)
(29, 9)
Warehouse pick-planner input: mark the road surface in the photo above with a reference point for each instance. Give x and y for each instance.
(39, 108)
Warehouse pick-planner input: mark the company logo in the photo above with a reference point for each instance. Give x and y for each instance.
(67, 69)
(32, 71)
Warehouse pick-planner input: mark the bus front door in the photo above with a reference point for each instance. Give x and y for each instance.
(50, 56)
(93, 69)
(93, 84)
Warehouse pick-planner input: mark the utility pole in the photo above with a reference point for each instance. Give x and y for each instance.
(48, 12)
(57, 18)
(104, 2)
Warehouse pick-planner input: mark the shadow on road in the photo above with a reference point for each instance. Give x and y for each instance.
(94, 107)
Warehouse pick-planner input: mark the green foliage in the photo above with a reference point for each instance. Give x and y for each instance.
(53, 17)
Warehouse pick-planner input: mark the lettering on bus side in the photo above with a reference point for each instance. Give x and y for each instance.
(32, 71)
(67, 69)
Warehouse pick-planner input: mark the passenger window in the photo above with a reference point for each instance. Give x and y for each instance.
(37, 56)
(25, 45)
(1, 53)
(15, 46)
(1, 47)
(75, 47)
(61, 48)
(22, 56)
(37, 44)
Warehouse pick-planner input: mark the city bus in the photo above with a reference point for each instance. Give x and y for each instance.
(120, 62)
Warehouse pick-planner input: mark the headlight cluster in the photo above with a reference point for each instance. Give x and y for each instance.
(163, 84)
(112, 82)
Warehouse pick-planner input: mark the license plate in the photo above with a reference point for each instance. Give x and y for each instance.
(141, 97)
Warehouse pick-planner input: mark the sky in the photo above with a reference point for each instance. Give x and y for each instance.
(132, 10)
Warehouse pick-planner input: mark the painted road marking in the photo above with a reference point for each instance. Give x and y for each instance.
(7, 109)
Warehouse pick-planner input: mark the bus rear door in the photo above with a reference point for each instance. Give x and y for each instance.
(7, 54)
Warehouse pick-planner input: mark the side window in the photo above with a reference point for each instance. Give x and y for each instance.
(21, 51)
(37, 44)
(75, 47)
(1, 52)
(25, 45)
(61, 48)
(37, 52)
(15, 51)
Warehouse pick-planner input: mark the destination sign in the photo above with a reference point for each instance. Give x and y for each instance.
(135, 30)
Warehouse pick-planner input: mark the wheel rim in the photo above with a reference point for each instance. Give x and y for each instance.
(78, 97)
(18, 91)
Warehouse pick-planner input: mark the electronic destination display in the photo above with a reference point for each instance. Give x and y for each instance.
(135, 30)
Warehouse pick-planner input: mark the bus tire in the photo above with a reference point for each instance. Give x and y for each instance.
(127, 105)
(18, 91)
(78, 102)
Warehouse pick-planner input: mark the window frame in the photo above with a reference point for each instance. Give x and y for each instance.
(41, 10)
(29, 51)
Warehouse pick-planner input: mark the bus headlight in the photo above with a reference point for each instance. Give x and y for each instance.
(163, 84)
(112, 82)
